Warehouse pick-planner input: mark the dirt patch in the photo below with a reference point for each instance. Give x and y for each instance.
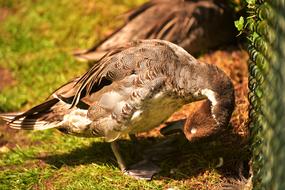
(4, 12)
(10, 138)
(6, 77)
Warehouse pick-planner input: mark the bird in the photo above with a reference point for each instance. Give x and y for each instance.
(194, 25)
(134, 88)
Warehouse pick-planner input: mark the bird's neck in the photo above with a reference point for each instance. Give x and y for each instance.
(205, 81)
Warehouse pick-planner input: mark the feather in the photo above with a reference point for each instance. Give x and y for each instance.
(15, 122)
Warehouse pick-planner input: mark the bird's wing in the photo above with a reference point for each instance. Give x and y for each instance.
(133, 57)
(144, 60)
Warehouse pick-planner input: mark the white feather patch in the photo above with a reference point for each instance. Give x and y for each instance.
(158, 95)
(77, 118)
(136, 114)
(110, 99)
(119, 108)
(210, 95)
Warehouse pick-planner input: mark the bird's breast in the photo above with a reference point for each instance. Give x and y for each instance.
(153, 112)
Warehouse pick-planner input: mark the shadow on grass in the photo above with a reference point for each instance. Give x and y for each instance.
(99, 152)
(178, 158)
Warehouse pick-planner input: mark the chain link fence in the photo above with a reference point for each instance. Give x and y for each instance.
(266, 24)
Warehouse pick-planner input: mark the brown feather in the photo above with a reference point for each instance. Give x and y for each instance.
(193, 25)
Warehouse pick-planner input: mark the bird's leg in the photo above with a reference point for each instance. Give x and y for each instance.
(116, 151)
(144, 169)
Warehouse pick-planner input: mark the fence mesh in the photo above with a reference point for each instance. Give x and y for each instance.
(266, 24)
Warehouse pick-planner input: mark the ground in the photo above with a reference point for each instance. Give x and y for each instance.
(36, 43)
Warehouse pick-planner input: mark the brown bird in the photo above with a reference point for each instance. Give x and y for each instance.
(193, 25)
(131, 89)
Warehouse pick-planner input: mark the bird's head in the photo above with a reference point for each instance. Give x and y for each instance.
(201, 123)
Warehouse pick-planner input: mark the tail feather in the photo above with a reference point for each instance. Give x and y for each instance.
(8, 117)
(33, 126)
(26, 123)
(33, 119)
(44, 107)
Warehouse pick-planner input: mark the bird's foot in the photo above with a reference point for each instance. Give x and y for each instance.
(144, 170)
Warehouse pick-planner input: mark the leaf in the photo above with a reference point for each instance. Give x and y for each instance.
(239, 24)
(251, 2)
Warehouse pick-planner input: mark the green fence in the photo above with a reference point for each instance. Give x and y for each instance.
(266, 24)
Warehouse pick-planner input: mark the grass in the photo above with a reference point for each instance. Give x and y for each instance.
(36, 42)
(37, 39)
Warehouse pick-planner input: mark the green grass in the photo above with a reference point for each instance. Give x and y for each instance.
(57, 161)
(36, 42)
